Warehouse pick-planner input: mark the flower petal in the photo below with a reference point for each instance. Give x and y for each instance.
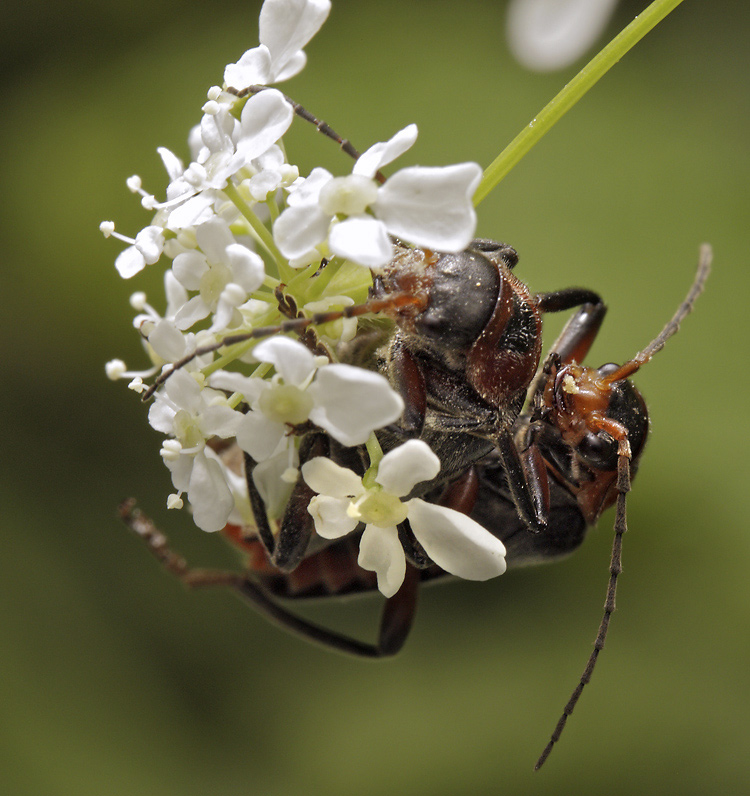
(161, 415)
(213, 237)
(150, 243)
(220, 421)
(172, 164)
(188, 268)
(274, 490)
(253, 68)
(292, 360)
(431, 206)
(247, 266)
(292, 67)
(286, 26)
(362, 239)
(405, 466)
(184, 391)
(181, 469)
(129, 262)
(328, 478)
(330, 517)
(209, 494)
(191, 312)
(306, 190)
(381, 154)
(259, 436)
(455, 542)
(175, 292)
(380, 551)
(249, 386)
(351, 402)
(299, 229)
(264, 119)
(194, 211)
(167, 341)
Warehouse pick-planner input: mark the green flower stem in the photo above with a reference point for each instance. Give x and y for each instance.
(299, 282)
(273, 207)
(233, 352)
(259, 228)
(238, 350)
(270, 282)
(375, 452)
(569, 96)
(322, 281)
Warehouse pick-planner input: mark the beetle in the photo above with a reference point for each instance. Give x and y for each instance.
(465, 347)
(579, 444)
(464, 354)
(587, 428)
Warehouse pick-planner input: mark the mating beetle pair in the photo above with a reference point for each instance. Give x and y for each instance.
(464, 353)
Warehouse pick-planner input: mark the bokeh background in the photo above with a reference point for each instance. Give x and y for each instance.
(114, 680)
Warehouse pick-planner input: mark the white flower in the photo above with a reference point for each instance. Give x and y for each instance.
(345, 401)
(550, 34)
(223, 272)
(145, 248)
(191, 414)
(452, 540)
(207, 489)
(270, 479)
(228, 145)
(425, 206)
(285, 27)
(270, 172)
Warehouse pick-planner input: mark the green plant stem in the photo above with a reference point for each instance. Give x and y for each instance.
(322, 281)
(375, 452)
(263, 235)
(569, 96)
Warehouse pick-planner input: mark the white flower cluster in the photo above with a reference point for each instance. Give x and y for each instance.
(251, 243)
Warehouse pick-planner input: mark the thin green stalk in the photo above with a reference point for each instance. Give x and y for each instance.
(260, 229)
(599, 65)
(322, 281)
(375, 452)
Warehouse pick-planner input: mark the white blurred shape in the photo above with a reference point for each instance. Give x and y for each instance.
(545, 35)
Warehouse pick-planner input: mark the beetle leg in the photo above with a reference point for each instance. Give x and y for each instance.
(535, 473)
(396, 619)
(260, 515)
(579, 332)
(408, 381)
(398, 614)
(462, 493)
(297, 524)
(566, 299)
(395, 623)
(287, 548)
(526, 482)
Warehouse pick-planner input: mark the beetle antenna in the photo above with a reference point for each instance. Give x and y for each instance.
(642, 357)
(395, 301)
(303, 113)
(615, 568)
(623, 487)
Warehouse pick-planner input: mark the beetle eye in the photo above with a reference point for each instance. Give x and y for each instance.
(599, 451)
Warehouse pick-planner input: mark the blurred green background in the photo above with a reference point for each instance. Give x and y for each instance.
(114, 680)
